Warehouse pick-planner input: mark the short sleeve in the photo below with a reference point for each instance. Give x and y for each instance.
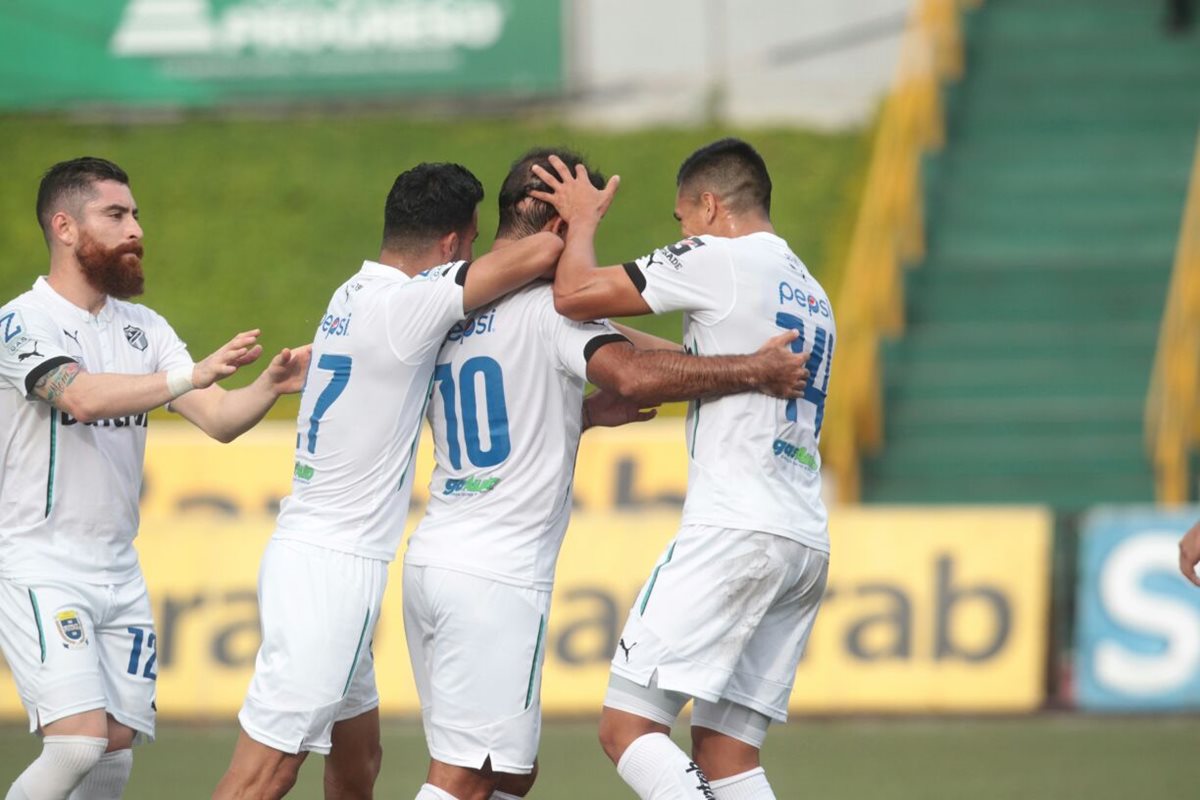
(694, 274)
(421, 310)
(573, 343)
(169, 350)
(30, 346)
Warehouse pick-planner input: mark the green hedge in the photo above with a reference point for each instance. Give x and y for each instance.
(253, 222)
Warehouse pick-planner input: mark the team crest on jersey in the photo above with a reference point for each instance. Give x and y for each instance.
(70, 628)
(136, 337)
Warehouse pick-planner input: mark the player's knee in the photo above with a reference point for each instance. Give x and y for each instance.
(612, 738)
(517, 785)
(64, 762)
(283, 780)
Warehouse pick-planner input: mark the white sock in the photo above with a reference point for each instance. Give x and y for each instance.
(431, 792)
(658, 770)
(107, 779)
(64, 762)
(750, 785)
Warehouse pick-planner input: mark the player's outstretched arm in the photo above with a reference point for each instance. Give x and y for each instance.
(649, 377)
(1189, 554)
(504, 269)
(582, 289)
(90, 396)
(226, 415)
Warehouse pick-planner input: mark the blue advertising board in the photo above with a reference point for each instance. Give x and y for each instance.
(1137, 637)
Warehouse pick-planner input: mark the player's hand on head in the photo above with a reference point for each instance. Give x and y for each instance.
(783, 373)
(288, 368)
(239, 351)
(607, 410)
(572, 194)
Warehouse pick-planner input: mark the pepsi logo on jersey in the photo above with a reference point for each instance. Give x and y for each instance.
(476, 325)
(335, 325)
(794, 295)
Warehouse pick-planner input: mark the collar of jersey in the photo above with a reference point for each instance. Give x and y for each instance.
(43, 288)
(378, 270)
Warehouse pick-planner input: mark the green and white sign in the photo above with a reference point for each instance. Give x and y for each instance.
(66, 53)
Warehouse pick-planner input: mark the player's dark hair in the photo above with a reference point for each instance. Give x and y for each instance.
(733, 171)
(522, 215)
(427, 202)
(68, 181)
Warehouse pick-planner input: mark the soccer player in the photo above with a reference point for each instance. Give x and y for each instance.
(725, 614)
(506, 419)
(323, 574)
(80, 369)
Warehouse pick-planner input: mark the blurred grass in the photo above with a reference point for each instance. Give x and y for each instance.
(1060, 757)
(253, 222)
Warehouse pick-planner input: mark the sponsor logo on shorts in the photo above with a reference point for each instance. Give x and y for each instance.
(70, 628)
(136, 337)
(796, 454)
(621, 644)
(303, 472)
(471, 485)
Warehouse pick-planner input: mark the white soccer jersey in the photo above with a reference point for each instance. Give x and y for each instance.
(69, 491)
(360, 410)
(753, 460)
(506, 418)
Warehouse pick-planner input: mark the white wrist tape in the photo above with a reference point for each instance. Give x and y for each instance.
(179, 380)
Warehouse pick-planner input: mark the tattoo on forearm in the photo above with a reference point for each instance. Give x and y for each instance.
(51, 386)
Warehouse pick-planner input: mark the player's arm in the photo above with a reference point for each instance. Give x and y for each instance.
(1189, 554)
(582, 289)
(646, 341)
(504, 269)
(225, 415)
(90, 396)
(650, 377)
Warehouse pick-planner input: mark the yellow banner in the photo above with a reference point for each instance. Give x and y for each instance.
(927, 610)
(633, 468)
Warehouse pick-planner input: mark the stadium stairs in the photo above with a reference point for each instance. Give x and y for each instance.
(1053, 215)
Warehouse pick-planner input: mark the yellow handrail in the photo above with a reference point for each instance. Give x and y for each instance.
(1173, 401)
(888, 233)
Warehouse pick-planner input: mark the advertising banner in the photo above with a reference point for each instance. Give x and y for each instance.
(927, 610)
(62, 53)
(1137, 644)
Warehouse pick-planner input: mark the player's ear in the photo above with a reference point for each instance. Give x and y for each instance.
(449, 245)
(557, 226)
(63, 229)
(709, 201)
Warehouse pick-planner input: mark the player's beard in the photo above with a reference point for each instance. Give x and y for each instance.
(116, 271)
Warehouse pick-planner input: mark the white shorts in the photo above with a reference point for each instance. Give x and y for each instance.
(725, 615)
(477, 648)
(75, 647)
(318, 609)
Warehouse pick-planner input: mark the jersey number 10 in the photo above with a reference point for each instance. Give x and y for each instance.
(497, 412)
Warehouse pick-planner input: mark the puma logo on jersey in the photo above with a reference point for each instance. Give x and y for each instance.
(30, 354)
(73, 336)
(621, 644)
